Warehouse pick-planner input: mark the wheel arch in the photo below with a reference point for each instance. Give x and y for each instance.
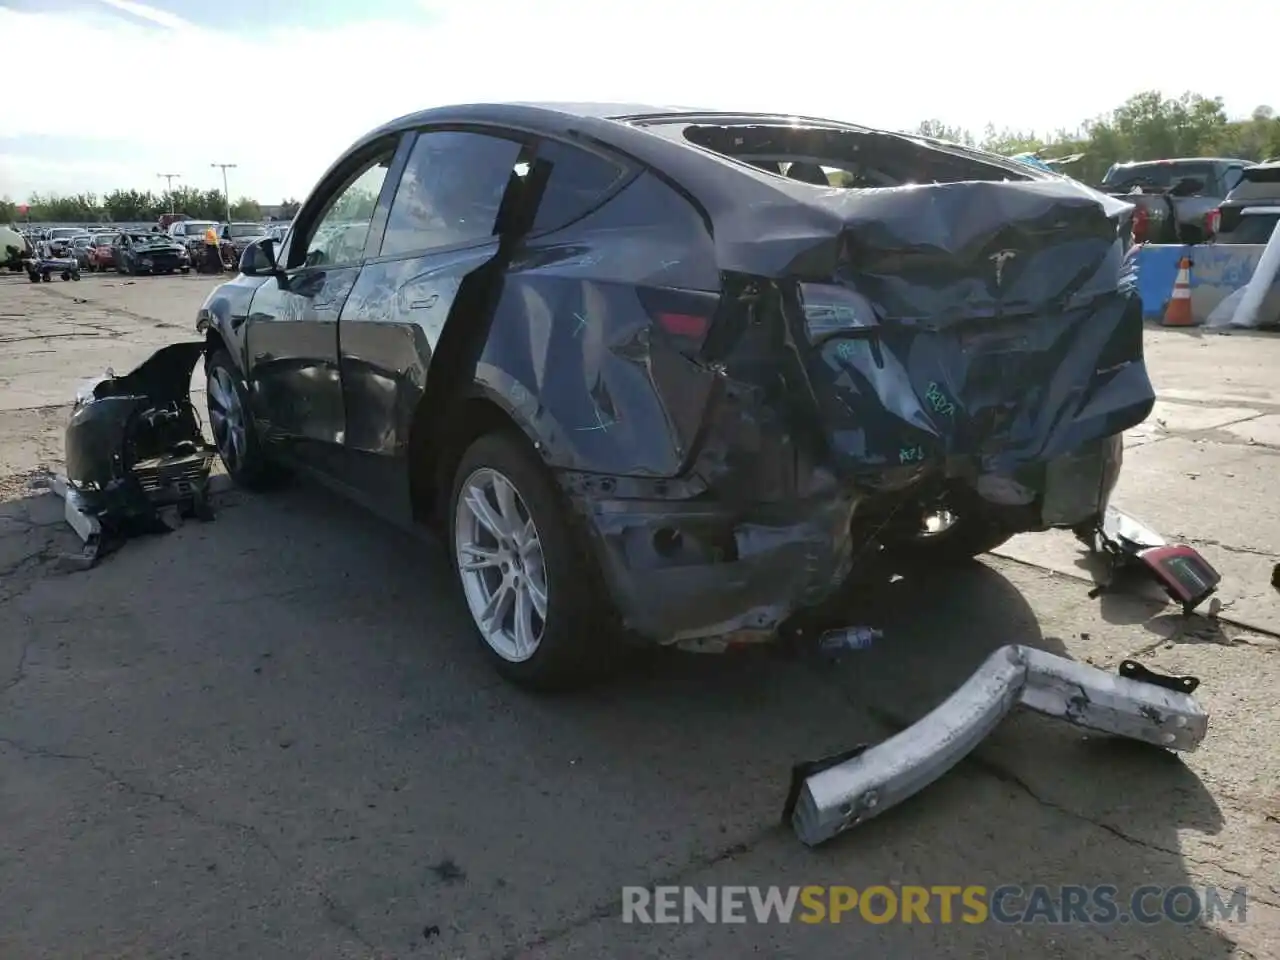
(443, 427)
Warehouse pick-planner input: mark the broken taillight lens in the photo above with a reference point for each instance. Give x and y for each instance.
(684, 316)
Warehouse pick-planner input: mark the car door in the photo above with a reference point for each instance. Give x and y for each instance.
(441, 232)
(292, 330)
(122, 252)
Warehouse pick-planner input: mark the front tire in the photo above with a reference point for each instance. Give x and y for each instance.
(522, 570)
(231, 422)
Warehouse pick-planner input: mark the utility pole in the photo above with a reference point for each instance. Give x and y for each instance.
(168, 179)
(226, 194)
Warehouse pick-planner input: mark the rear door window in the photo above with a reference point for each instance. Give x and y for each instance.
(451, 191)
(579, 180)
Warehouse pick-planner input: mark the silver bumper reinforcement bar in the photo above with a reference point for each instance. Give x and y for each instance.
(848, 793)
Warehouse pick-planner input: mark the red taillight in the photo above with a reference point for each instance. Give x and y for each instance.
(684, 324)
(685, 316)
(1141, 223)
(1212, 221)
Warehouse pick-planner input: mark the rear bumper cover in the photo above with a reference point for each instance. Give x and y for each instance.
(841, 797)
(707, 575)
(704, 575)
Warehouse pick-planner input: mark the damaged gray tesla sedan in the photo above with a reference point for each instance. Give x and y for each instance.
(673, 374)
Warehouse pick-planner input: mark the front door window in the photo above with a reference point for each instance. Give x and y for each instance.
(340, 233)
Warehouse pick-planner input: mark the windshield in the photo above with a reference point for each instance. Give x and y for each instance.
(61, 233)
(193, 227)
(238, 230)
(104, 239)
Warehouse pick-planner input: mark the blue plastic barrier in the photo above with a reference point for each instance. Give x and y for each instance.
(1216, 272)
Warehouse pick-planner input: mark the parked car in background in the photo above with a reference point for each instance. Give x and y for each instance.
(58, 240)
(80, 247)
(234, 237)
(102, 251)
(652, 377)
(150, 253)
(190, 233)
(278, 230)
(1251, 211)
(1174, 200)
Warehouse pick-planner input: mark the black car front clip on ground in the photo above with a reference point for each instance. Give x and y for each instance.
(135, 450)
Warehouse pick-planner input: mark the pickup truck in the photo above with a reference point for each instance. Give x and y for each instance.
(1175, 200)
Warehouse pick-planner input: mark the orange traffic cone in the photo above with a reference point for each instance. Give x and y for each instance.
(1178, 312)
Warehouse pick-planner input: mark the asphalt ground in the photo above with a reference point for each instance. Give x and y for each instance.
(273, 735)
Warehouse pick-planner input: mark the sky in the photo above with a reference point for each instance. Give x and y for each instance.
(302, 79)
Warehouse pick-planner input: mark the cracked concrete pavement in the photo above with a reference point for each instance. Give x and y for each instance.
(273, 736)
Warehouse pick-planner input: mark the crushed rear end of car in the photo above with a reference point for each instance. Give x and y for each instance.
(969, 345)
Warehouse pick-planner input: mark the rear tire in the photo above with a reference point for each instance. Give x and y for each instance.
(232, 425)
(566, 644)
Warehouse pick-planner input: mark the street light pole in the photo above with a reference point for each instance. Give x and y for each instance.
(226, 194)
(168, 179)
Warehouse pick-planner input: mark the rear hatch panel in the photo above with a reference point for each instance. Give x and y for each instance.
(994, 323)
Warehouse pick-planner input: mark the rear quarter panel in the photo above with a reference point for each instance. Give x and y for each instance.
(574, 357)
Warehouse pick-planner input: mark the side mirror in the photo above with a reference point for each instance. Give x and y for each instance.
(259, 259)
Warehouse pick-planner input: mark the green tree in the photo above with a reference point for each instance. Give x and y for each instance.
(246, 208)
(940, 131)
(1010, 142)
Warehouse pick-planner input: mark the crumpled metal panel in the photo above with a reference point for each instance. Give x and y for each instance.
(704, 449)
(1006, 394)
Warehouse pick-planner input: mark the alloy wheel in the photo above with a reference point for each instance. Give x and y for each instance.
(501, 564)
(226, 418)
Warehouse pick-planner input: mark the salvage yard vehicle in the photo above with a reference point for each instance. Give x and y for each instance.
(59, 240)
(190, 233)
(80, 247)
(102, 252)
(1175, 200)
(1251, 211)
(150, 253)
(651, 377)
(234, 237)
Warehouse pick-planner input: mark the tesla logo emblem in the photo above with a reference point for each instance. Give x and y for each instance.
(1000, 259)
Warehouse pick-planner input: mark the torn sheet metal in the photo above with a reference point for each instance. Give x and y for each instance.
(837, 797)
(135, 448)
